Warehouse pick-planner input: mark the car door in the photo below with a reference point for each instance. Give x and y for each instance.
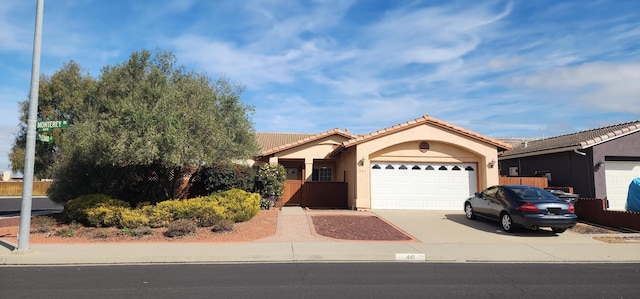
(481, 205)
(497, 203)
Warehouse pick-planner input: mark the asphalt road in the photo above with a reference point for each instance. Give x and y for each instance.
(325, 280)
(10, 206)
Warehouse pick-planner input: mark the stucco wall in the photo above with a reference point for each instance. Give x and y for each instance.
(445, 146)
(313, 150)
(626, 147)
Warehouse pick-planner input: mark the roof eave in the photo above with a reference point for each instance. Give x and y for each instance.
(542, 152)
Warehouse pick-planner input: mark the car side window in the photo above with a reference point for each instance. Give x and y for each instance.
(501, 194)
(491, 192)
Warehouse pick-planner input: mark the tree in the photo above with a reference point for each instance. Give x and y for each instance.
(147, 127)
(62, 96)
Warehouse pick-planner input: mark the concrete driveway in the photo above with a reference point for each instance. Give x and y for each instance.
(453, 226)
(445, 235)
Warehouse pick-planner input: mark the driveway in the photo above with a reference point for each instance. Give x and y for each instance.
(449, 236)
(454, 227)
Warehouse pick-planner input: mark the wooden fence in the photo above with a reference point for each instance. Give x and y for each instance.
(541, 182)
(15, 188)
(594, 210)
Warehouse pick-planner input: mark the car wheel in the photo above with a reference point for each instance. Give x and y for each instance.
(507, 222)
(468, 211)
(558, 230)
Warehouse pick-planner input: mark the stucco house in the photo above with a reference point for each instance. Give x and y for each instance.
(597, 163)
(422, 164)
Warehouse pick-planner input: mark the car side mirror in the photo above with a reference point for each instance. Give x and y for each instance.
(479, 195)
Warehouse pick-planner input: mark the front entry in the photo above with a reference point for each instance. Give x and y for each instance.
(292, 193)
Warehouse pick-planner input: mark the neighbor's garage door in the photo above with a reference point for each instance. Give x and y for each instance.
(619, 175)
(410, 186)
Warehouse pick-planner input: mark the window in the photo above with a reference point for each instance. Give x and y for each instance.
(429, 167)
(403, 167)
(513, 171)
(442, 168)
(455, 168)
(322, 174)
(389, 167)
(469, 168)
(376, 166)
(415, 167)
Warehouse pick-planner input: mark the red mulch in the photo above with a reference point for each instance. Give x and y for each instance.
(348, 227)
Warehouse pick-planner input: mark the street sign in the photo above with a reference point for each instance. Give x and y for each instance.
(44, 126)
(45, 138)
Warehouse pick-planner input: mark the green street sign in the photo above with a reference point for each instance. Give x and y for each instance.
(45, 138)
(44, 126)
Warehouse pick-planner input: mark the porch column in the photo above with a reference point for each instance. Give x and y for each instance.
(273, 160)
(308, 169)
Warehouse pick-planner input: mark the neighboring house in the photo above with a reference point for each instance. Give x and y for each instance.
(598, 163)
(422, 164)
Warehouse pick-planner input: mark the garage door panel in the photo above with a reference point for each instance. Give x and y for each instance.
(422, 186)
(618, 176)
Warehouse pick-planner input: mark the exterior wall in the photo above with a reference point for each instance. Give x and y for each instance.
(314, 150)
(566, 169)
(348, 166)
(623, 148)
(569, 169)
(445, 146)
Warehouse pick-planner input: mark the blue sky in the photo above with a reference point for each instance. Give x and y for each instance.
(500, 68)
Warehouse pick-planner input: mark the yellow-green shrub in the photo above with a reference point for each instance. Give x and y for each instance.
(239, 205)
(206, 213)
(103, 215)
(157, 216)
(76, 209)
(128, 218)
(178, 208)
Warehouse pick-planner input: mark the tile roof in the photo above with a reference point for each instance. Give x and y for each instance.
(275, 142)
(425, 119)
(267, 141)
(516, 142)
(579, 140)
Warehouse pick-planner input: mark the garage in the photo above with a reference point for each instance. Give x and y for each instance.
(422, 186)
(618, 175)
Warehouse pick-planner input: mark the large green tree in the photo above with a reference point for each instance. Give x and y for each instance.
(145, 126)
(62, 96)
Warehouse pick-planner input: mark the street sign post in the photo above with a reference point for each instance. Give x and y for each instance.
(45, 138)
(44, 126)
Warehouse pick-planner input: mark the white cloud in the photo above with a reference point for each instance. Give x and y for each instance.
(504, 63)
(601, 85)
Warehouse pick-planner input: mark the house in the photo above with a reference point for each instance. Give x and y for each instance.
(422, 164)
(598, 163)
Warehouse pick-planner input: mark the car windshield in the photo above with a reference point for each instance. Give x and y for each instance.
(529, 193)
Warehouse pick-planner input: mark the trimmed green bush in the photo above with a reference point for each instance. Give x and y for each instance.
(205, 212)
(131, 219)
(239, 205)
(221, 177)
(76, 209)
(272, 177)
(157, 217)
(180, 209)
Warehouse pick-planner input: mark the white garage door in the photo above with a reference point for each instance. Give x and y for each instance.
(619, 175)
(410, 186)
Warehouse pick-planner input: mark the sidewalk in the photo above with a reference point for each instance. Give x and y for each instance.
(441, 237)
